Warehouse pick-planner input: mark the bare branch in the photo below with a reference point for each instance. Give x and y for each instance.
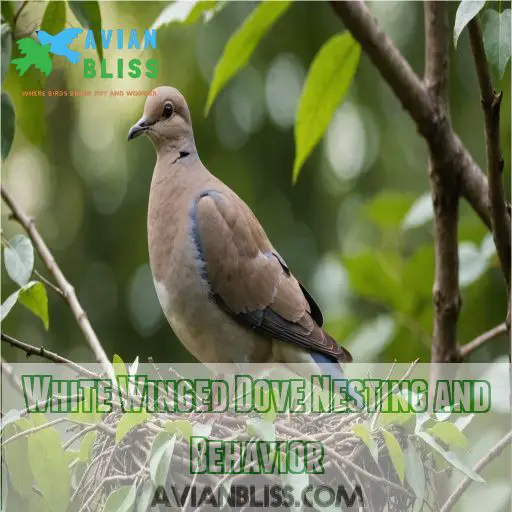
(46, 354)
(19, 11)
(470, 347)
(69, 292)
(491, 101)
(445, 191)
(495, 451)
(9, 373)
(415, 99)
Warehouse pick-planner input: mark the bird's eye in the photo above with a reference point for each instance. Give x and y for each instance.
(168, 111)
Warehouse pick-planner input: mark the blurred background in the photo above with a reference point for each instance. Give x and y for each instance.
(356, 229)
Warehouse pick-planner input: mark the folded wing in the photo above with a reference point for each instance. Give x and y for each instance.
(248, 278)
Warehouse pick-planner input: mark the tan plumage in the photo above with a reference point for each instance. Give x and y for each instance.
(225, 290)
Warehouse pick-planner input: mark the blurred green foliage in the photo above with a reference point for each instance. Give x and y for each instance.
(356, 229)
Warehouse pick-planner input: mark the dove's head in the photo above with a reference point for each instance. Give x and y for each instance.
(165, 120)
(43, 36)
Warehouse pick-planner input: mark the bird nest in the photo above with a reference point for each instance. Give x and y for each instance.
(371, 478)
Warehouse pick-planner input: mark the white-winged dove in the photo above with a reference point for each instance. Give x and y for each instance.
(226, 292)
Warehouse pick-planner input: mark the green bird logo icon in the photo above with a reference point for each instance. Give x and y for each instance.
(35, 54)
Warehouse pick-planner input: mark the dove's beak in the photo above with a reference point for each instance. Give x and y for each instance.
(139, 128)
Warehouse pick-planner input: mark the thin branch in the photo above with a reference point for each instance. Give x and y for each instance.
(491, 102)
(9, 373)
(495, 451)
(30, 350)
(69, 292)
(468, 348)
(415, 99)
(32, 430)
(19, 11)
(445, 191)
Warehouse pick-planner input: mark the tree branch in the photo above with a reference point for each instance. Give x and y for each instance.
(9, 373)
(468, 348)
(46, 354)
(491, 102)
(69, 292)
(415, 99)
(491, 455)
(445, 191)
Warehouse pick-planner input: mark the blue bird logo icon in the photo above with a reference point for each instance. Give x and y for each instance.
(59, 42)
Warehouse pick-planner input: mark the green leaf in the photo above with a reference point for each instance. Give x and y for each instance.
(54, 19)
(145, 497)
(388, 208)
(119, 370)
(327, 82)
(450, 457)
(13, 500)
(396, 454)
(376, 275)
(472, 263)
(122, 499)
(10, 417)
(49, 466)
(415, 472)
(30, 115)
(449, 434)
(466, 11)
(463, 421)
(182, 428)
(243, 42)
(421, 212)
(444, 413)
(184, 12)
(394, 403)
(160, 457)
(419, 272)
(129, 421)
(16, 458)
(71, 456)
(8, 10)
(261, 429)
(362, 431)
(8, 121)
(8, 304)
(204, 10)
(89, 15)
(19, 259)
(496, 36)
(86, 446)
(33, 297)
(6, 49)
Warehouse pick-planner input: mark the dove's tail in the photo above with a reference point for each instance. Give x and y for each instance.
(73, 56)
(22, 64)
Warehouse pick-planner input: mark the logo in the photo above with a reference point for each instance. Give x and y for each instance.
(37, 53)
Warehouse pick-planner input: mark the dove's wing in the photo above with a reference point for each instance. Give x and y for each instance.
(250, 280)
(44, 63)
(28, 46)
(67, 35)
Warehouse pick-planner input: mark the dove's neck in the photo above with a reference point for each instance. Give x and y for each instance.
(169, 151)
(177, 180)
